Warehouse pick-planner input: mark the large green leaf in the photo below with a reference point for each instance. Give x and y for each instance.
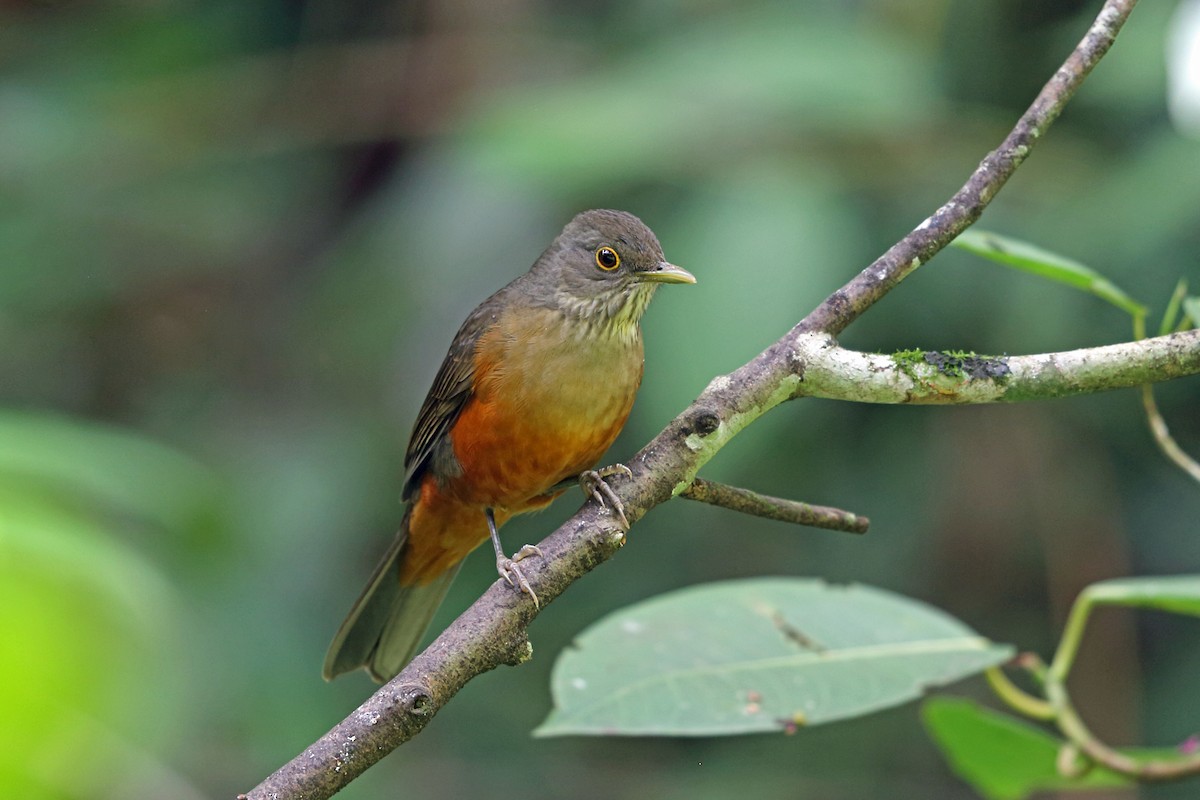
(758, 655)
(1025, 256)
(1001, 757)
(1179, 594)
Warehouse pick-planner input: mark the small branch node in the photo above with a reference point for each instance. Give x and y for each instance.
(521, 653)
(416, 700)
(705, 421)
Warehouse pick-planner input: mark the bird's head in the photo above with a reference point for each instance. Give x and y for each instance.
(603, 268)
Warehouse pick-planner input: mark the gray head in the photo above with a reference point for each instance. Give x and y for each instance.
(603, 267)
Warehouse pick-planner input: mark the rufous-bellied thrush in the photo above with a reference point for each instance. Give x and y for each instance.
(537, 384)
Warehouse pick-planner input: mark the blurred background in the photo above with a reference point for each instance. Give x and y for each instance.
(237, 237)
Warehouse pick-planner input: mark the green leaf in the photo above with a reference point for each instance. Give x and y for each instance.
(1179, 594)
(1001, 757)
(1191, 306)
(1171, 314)
(759, 655)
(1024, 256)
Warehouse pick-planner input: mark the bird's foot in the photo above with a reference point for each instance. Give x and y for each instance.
(508, 569)
(594, 486)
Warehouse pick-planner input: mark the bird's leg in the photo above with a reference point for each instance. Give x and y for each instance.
(593, 484)
(507, 567)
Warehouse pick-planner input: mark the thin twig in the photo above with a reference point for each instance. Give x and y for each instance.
(1162, 435)
(1017, 698)
(761, 505)
(1154, 418)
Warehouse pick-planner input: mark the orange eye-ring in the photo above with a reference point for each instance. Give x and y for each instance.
(607, 259)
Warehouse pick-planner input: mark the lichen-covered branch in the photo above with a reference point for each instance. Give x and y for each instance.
(492, 631)
(940, 378)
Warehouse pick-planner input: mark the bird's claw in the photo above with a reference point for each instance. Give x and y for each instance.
(593, 484)
(508, 569)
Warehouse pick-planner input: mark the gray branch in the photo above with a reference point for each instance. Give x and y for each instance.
(941, 378)
(492, 631)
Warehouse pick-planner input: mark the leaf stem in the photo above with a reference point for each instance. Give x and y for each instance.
(1016, 697)
(1068, 646)
(1078, 734)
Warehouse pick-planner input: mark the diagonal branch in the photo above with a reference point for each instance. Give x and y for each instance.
(492, 631)
(960, 211)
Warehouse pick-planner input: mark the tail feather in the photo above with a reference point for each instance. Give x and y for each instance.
(385, 626)
(412, 611)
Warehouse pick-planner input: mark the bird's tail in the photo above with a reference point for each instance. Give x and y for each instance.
(386, 624)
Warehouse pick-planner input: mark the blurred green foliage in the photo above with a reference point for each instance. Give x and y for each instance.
(245, 232)
(87, 617)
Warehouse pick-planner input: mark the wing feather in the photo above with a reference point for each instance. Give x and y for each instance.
(452, 389)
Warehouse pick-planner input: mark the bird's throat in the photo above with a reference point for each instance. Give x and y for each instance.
(613, 315)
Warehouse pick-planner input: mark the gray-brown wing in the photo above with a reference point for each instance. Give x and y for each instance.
(452, 388)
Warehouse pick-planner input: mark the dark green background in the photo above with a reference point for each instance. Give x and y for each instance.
(238, 237)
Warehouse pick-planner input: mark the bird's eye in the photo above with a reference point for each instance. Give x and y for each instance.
(607, 259)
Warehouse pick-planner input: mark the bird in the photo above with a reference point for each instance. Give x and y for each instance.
(537, 383)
